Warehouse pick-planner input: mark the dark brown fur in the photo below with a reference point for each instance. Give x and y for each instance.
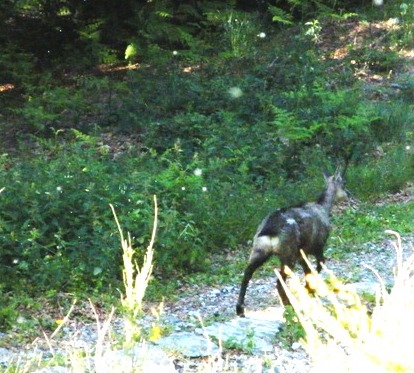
(285, 232)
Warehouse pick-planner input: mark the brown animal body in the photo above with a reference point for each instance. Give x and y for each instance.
(287, 231)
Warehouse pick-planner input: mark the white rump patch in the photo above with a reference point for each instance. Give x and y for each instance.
(267, 244)
(291, 221)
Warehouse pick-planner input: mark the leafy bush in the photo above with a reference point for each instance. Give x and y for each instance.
(59, 232)
(87, 101)
(390, 173)
(375, 60)
(62, 232)
(8, 312)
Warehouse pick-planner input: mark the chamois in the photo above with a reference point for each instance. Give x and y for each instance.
(287, 231)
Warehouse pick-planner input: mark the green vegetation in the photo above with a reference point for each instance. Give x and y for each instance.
(247, 344)
(292, 330)
(83, 359)
(368, 223)
(223, 110)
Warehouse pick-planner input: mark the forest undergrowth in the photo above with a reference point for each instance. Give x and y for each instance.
(220, 135)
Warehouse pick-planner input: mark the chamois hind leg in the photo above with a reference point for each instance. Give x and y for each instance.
(256, 260)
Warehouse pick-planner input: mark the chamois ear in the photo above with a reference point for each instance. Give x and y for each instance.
(338, 173)
(336, 176)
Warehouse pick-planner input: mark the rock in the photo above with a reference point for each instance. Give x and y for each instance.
(142, 358)
(176, 323)
(365, 287)
(188, 344)
(5, 356)
(254, 333)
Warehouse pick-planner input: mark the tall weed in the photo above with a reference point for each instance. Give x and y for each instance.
(342, 336)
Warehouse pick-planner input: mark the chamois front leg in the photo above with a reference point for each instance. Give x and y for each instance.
(320, 259)
(280, 289)
(256, 260)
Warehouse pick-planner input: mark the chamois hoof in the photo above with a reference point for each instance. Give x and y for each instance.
(240, 310)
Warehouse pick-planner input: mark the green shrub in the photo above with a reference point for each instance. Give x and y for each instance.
(49, 106)
(63, 233)
(60, 231)
(375, 60)
(389, 174)
(8, 311)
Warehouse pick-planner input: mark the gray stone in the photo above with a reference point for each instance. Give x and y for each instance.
(296, 346)
(256, 332)
(5, 355)
(142, 358)
(188, 344)
(365, 287)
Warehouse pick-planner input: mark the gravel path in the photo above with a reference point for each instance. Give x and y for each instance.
(211, 303)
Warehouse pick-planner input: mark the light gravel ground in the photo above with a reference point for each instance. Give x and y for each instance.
(207, 303)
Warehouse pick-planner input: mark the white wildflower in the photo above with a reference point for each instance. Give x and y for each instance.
(235, 92)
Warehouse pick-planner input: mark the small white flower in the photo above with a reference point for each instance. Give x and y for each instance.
(182, 188)
(198, 172)
(408, 147)
(262, 35)
(235, 92)
(393, 21)
(59, 189)
(204, 189)
(15, 261)
(175, 53)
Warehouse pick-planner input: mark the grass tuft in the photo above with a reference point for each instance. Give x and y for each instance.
(341, 334)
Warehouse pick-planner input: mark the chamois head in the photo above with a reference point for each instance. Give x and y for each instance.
(335, 190)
